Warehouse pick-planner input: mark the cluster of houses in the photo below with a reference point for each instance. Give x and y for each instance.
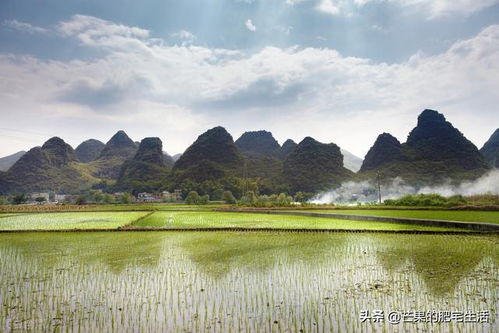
(46, 197)
(51, 198)
(164, 196)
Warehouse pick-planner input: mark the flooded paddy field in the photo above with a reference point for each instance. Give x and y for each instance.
(230, 282)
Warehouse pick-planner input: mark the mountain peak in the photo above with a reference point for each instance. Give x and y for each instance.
(429, 115)
(313, 166)
(120, 144)
(257, 143)
(215, 145)
(89, 150)
(150, 151)
(58, 152)
(287, 147)
(54, 142)
(121, 138)
(490, 149)
(386, 148)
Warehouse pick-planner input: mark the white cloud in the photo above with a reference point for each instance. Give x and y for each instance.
(177, 91)
(185, 37)
(249, 25)
(328, 6)
(25, 27)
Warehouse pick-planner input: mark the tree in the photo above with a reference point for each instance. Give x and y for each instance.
(81, 200)
(203, 200)
(18, 199)
(126, 198)
(300, 197)
(228, 197)
(108, 198)
(192, 198)
(3, 201)
(40, 200)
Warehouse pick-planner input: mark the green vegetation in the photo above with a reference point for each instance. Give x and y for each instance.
(147, 171)
(66, 221)
(253, 220)
(174, 282)
(427, 200)
(448, 215)
(313, 166)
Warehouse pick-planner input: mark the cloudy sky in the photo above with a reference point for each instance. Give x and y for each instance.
(342, 71)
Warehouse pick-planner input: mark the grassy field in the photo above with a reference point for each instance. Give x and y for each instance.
(66, 221)
(448, 215)
(251, 220)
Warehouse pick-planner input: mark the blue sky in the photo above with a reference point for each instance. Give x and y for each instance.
(341, 71)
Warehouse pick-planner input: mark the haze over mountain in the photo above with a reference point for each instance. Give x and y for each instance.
(7, 161)
(435, 151)
(351, 161)
(89, 150)
(490, 149)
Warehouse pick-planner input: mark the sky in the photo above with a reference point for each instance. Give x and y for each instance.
(341, 71)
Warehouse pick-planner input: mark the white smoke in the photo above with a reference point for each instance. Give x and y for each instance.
(366, 191)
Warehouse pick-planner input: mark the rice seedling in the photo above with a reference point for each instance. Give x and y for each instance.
(252, 220)
(452, 215)
(63, 221)
(227, 281)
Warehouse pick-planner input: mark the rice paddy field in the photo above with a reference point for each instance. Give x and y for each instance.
(253, 220)
(243, 282)
(450, 215)
(190, 220)
(67, 221)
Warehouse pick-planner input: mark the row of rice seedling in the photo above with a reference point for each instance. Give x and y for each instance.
(452, 215)
(253, 220)
(242, 282)
(64, 221)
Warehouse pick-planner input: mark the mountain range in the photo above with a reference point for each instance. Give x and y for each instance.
(435, 151)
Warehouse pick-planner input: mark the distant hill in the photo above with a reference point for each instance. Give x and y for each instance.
(435, 151)
(490, 149)
(8, 161)
(262, 157)
(168, 159)
(116, 151)
(350, 161)
(258, 143)
(147, 170)
(215, 145)
(176, 157)
(385, 150)
(287, 147)
(89, 150)
(314, 166)
(54, 166)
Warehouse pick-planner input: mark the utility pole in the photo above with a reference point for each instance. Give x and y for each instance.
(378, 179)
(245, 178)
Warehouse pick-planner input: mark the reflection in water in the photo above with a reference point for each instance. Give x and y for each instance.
(158, 281)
